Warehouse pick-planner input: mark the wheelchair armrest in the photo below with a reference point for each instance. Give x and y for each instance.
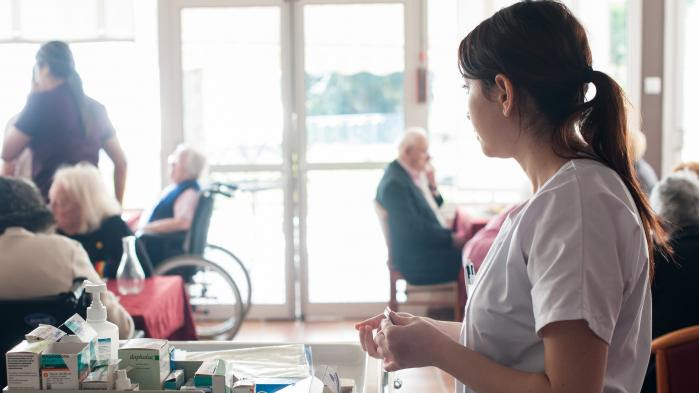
(164, 236)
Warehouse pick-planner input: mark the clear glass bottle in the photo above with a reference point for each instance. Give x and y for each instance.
(130, 277)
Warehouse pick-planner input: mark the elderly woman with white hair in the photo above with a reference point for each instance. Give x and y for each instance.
(174, 212)
(86, 211)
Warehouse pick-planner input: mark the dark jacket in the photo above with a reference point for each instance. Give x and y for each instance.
(421, 249)
(675, 296)
(104, 247)
(674, 291)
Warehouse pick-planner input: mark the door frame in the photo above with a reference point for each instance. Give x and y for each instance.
(172, 127)
(415, 114)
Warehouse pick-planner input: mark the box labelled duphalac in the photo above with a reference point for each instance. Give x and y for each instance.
(23, 364)
(149, 360)
(64, 365)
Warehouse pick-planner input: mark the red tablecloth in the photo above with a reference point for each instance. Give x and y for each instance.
(161, 310)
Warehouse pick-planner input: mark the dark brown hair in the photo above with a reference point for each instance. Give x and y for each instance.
(21, 206)
(59, 58)
(542, 48)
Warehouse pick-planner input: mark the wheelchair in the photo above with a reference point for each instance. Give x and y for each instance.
(23, 315)
(217, 280)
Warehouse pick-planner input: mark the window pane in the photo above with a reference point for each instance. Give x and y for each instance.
(605, 22)
(231, 67)
(251, 225)
(354, 81)
(346, 250)
(690, 83)
(139, 134)
(119, 18)
(50, 19)
(453, 145)
(5, 20)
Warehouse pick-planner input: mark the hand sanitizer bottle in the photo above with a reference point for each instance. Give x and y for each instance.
(107, 332)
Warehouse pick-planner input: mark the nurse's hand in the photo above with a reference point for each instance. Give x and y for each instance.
(410, 342)
(366, 328)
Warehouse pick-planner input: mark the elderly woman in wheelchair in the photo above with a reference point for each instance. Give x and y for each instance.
(175, 237)
(167, 224)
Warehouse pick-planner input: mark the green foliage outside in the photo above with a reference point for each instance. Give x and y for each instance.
(363, 92)
(619, 33)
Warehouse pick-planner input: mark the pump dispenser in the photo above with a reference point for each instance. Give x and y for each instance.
(107, 332)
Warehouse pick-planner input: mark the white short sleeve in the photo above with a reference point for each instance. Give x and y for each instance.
(575, 254)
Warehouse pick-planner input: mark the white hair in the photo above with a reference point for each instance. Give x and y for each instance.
(193, 160)
(411, 137)
(676, 199)
(83, 185)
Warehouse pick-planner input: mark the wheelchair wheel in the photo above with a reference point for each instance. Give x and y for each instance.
(213, 294)
(235, 267)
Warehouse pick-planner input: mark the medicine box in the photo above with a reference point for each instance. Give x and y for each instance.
(23, 363)
(271, 385)
(174, 381)
(149, 360)
(64, 365)
(211, 373)
(101, 377)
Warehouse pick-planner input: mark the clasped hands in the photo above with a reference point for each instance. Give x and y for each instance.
(406, 342)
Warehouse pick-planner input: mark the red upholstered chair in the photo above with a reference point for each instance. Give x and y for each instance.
(478, 246)
(676, 359)
(438, 295)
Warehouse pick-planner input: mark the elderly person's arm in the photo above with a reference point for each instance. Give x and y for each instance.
(185, 205)
(115, 312)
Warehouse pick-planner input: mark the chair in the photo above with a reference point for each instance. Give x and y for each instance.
(23, 315)
(676, 357)
(438, 295)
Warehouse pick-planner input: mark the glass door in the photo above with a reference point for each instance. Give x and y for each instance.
(302, 103)
(229, 64)
(351, 115)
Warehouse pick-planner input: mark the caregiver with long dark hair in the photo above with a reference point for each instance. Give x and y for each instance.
(60, 124)
(562, 301)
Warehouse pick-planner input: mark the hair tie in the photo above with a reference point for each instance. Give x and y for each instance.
(587, 74)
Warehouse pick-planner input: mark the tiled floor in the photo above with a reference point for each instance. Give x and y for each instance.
(416, 380)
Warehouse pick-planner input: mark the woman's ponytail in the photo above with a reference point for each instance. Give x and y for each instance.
(58, 57)
(75, 84)
(604, 129)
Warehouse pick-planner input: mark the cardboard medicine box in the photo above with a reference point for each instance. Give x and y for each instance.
(64, 365)
(211, 373)
(23, 363)
(149, 360)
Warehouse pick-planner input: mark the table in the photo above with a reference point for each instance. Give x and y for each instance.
(161, 310)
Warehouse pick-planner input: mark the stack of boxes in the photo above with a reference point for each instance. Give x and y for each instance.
(52, 360)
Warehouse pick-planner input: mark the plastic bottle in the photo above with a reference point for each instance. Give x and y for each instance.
(107, 332)
(130, 276)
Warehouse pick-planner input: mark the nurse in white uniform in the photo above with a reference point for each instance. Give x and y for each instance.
(562, 301)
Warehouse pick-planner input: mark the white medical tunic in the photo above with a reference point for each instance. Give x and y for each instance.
(575, 250)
